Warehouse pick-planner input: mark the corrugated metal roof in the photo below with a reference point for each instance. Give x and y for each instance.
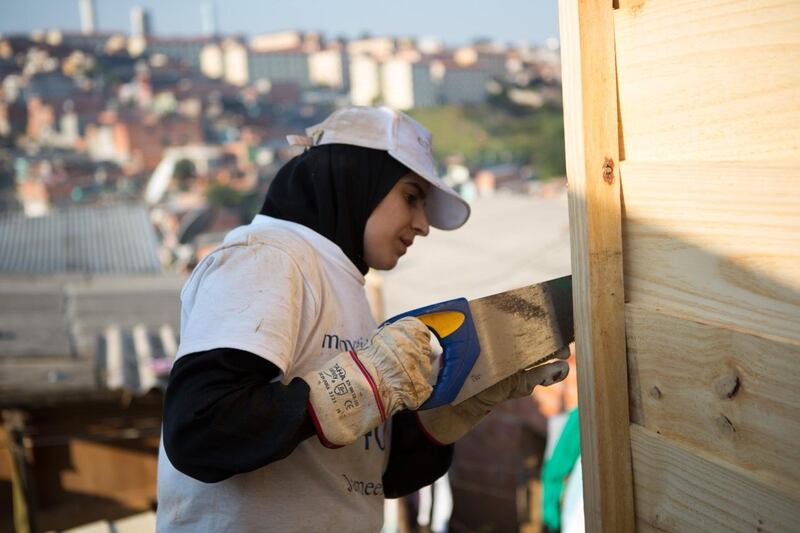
(116, 239)
(69, 336)
(33, 322)
(136, 360)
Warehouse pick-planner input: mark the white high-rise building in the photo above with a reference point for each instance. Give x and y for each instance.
(212, 61)
(140, 22)
(86, 8)
(365, 81)
(243, 65)
(330, 67)
(408, 83)
(234, 62)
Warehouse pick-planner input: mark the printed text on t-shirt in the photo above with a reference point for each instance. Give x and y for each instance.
(331, 341)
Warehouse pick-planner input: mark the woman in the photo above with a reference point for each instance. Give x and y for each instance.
(278, 346)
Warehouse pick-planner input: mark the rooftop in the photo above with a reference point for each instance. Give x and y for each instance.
(90, 240)
(64, 337)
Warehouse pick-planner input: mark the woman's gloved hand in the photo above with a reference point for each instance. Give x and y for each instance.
(448, 423)
(357, 390)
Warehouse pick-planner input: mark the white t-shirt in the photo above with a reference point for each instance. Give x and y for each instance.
(284, 292)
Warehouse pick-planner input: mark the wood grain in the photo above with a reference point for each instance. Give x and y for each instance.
(727, 393)
(708, 81)
(592, 156)
(715, 242)
(681, 489)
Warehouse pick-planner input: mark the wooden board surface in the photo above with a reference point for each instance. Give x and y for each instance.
(730, 394)
(709, 80)
(718, 243)
(681, 489)
(592, 156)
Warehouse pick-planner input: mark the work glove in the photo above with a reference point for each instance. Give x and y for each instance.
(448, 423)
(357, 390)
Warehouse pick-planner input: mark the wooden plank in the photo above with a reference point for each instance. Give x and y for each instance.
(24, 501)
(136, 524)
(679, 489)
(715, 242)
(728, 393)
(591, 137)
(126, 473)
(709, 80)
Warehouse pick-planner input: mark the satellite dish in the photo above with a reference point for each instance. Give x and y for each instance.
(193, 224)
(160, 180)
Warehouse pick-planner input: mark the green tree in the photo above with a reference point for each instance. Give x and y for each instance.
(184, 173)
(221, 195)
(7, 173)
(250, 205)
(490, 133)
(8, 184)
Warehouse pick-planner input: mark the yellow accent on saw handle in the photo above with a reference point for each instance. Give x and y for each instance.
(443, 322)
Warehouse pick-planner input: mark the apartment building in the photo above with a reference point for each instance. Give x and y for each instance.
(407, 83)
(365, 79)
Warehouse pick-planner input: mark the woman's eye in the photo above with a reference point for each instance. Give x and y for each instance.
(411, 199)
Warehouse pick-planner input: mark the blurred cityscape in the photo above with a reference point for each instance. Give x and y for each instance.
(193, 128)
(125, 158)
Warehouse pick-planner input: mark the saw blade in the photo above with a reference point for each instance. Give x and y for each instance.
(519, 329)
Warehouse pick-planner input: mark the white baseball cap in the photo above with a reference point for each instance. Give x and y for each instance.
(405, 139)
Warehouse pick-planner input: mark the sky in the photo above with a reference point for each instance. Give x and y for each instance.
(453, 21)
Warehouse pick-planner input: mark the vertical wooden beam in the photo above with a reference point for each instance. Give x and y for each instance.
(592, 149)
(22, 490)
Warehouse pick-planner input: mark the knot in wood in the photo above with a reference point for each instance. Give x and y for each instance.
(727, 385)
(725, 424)
(655, 393)
(608, 171)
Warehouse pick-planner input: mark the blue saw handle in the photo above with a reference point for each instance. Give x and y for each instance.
(452, 323)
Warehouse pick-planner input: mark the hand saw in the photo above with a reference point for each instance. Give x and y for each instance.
(488, 339)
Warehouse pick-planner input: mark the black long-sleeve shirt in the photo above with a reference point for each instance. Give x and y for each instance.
(224, 415)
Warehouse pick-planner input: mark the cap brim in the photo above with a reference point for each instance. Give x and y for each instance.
(445, 209)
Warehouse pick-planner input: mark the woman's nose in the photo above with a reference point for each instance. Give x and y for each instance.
(420, 223)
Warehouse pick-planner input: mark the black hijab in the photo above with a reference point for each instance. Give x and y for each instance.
(333, 189)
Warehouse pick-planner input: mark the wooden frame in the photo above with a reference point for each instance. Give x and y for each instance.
(592, 150)
(687, 383)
